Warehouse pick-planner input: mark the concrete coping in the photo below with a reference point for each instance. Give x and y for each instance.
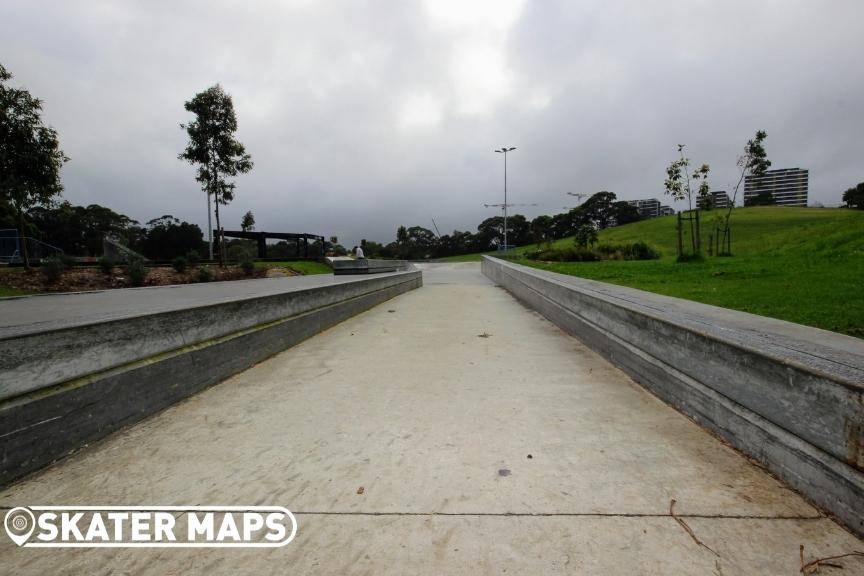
(834, 356)
(366, 266)
(38, 313)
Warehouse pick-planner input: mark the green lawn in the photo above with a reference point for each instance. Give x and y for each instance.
(805, 265)
(4, 292)
(305, 267)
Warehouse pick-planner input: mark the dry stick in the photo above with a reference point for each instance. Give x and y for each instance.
(688, 529)
(813, 566)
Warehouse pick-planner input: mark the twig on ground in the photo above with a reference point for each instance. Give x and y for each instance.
(688, 529)
(813, 566)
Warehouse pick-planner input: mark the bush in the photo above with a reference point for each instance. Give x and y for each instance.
(575, 254)
(248, 266)
(586, 235)
(612, 251)
(68, 261)
(635, 251)
(642, 251)
(136, 271)
(106, 265)
(204, 274)
(52, 268)
(241, 252)
(180, 264)
(193, 257)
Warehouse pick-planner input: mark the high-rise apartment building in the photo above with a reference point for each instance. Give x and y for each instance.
(788, 186)
(648, 208)
(718, 199)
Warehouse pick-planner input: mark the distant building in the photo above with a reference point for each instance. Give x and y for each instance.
(788, 186)
(666, 211)
(718, 199)
(648, 208)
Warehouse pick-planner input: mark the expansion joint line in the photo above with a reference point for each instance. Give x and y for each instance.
(564, 515)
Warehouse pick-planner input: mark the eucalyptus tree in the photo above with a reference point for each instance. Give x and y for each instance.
(213, 147)
(248, 222)
(30, 155)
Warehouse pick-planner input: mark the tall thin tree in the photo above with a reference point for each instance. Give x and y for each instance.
(213, 147)
(678, 186)
(30, 155)
(754, 162)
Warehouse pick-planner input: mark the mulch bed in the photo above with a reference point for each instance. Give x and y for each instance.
(81, 279)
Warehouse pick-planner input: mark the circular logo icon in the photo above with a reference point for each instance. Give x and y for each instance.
(19, 524)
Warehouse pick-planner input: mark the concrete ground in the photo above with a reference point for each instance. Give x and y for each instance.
(486, 442)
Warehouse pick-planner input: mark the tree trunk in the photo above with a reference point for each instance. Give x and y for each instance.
(219, 236)
(22, 241)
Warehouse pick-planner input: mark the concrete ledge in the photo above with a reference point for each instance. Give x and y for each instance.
(788, 395)
(47, 421)
(56, 338)
(365, 266)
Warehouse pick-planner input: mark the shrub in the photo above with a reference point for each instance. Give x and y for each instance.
(240, 252)
(248, 265)
(635, 251)
(68, 261)
(576, 254)
(582, 254)
(180, 264)
(612, 251)
(106, 265)
(204, 274)
(193, 257)
(586, 235)
(52, 268)
(136, 271)
(642, 251)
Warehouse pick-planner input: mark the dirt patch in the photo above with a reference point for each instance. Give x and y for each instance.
(81, 279)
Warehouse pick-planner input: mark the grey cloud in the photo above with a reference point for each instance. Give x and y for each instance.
(362, 116)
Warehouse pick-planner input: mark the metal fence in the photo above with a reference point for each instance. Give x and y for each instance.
(12, 248)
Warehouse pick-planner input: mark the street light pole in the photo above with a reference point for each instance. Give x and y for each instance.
(504, 150)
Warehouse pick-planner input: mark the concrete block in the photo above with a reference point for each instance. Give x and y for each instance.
(96, 331)
(46, 422)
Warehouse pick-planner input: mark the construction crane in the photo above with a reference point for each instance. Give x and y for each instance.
(504, 208)
(508, 205)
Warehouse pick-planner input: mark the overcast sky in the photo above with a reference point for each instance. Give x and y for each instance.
(364, 115)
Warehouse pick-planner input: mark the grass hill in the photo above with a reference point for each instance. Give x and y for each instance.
(804, 265)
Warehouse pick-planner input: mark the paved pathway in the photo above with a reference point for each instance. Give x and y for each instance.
(486, 440)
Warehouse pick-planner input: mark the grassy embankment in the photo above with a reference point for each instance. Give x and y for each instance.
(805, 265)
(304, 267)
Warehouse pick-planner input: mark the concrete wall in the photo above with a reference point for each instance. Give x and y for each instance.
(788, 395)
(70, 386)
(366, 266)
